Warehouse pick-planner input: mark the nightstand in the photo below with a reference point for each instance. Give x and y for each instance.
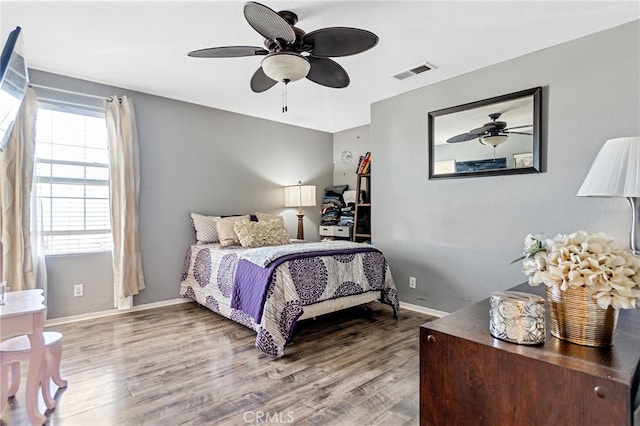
(469, 377)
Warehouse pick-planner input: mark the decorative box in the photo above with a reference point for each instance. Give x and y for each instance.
(517, 317)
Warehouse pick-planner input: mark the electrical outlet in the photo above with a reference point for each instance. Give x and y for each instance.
(412, 282)
(78, 290)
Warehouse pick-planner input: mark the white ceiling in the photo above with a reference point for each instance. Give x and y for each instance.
(143, 46)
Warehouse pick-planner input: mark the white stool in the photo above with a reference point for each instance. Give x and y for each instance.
(17, 349)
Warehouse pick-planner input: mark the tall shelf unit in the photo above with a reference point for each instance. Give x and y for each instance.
(362, 214)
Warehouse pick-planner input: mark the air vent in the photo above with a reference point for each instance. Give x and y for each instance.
(413, 71)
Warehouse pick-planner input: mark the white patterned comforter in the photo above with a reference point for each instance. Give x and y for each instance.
(209, 277)
(263, 256)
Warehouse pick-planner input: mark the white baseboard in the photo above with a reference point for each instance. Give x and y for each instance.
(423, 310)
(110, 312)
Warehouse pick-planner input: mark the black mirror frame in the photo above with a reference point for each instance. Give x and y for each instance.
(536, 92)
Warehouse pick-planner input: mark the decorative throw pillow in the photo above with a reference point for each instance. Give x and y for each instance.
(262, 217)
(252, 217)
(205, 227)
(226, 234)
(262, 233)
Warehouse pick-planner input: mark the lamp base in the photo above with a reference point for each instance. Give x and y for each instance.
(300, 227)
(635, 226)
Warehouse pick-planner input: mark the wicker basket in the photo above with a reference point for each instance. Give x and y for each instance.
(575, 316)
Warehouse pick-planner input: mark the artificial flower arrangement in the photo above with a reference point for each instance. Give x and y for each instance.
(610, 274)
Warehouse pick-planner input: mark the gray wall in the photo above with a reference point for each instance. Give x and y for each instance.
(193, 158)
(458, 237)
(357, 141)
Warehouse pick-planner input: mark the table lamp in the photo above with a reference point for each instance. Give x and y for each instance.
(300, 196)
(616, 173)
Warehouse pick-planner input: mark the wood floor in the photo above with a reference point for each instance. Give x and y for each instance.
(185, 365)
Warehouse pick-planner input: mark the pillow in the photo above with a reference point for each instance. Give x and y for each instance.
(252, 217)
(226, 234)
(262, 217)
(262, 233)
(205, 227)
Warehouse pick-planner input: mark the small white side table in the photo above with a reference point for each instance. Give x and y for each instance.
(24, 313)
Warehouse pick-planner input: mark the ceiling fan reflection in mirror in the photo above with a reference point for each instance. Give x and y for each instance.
(291, 54)
(493, 133)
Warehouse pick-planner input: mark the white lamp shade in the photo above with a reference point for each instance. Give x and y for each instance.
(285, 66)
(616, 170)
(300, 196)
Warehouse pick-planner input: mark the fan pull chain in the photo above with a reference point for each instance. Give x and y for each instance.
(284, 95)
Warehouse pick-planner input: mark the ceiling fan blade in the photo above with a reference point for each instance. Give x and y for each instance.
(260, 82)
(339, 41)
(519, 127)
(519, 133)
(462, 138)
(482, 130)
(268, 23)
(327, 72)
(228, 52)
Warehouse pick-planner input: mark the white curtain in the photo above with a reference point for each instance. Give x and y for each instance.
(124, 174)
(23, 259)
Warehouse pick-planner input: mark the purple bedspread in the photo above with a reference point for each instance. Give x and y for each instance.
(251, 281)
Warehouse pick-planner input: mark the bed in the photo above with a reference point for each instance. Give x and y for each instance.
(270, 288)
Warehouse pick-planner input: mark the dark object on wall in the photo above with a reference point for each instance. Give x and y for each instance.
(451, 142)
(13, 84)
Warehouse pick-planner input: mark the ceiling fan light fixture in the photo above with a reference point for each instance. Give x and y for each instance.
(285, 66)
(494, 140)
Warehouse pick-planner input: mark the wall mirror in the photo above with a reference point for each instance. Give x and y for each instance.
(495, 136)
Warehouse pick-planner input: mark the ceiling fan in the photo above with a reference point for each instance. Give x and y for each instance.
(291, 54)
(493, 133)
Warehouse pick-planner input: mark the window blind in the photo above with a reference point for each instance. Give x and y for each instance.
(72, 179)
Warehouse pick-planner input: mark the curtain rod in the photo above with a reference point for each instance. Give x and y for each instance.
(71, 92)
(59, 102)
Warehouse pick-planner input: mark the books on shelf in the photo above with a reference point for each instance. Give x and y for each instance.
(364, 165)
(359, 163)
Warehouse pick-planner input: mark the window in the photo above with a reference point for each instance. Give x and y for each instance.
(72, 180)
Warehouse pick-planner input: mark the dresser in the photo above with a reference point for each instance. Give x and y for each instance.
(469, 377)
